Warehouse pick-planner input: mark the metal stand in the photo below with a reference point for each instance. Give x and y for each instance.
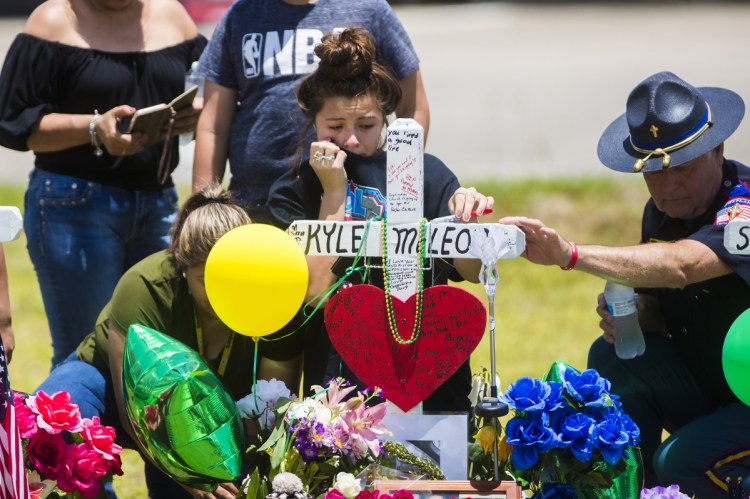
(491, 407)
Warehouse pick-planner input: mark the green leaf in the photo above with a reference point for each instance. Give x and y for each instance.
(476, 453)
(256, 488)
(277, 433)
(282, 405)
(279, 451)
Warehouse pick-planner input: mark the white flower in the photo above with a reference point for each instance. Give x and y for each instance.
(262, 401)
(248, 408)
(311, 408)
(359, 447)
(347, 484)
(272, 390)
(267, 419)
(287, 483)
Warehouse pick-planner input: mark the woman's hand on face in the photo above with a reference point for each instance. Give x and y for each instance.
(467, 200)
(112, 139)
(327, 160)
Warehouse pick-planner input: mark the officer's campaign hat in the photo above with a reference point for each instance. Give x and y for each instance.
(668, 122)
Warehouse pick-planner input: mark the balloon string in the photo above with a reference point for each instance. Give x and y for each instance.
(255, 374)
(321, 298)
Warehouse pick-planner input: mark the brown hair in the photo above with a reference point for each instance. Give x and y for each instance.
(348, 69)
(206, 216)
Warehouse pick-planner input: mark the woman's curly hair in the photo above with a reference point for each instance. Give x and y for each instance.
(348, 69)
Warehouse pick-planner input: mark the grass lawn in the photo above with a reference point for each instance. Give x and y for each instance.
(543, 314)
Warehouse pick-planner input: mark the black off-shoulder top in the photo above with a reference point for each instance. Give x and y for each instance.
(41, 76)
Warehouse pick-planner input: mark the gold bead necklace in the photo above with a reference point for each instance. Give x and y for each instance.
(392, 324)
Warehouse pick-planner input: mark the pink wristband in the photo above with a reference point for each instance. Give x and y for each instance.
(573, 256)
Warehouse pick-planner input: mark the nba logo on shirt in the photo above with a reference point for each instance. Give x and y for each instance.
(251, 49)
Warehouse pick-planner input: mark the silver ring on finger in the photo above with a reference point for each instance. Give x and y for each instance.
(320, 156)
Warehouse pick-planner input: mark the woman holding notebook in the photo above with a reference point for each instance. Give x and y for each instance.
(97, 201)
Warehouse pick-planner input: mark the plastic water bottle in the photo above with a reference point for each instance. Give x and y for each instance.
(192, 79)
(629, 343)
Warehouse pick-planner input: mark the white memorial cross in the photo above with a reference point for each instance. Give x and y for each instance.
(405, 206)
(737, 237)
(405, 192)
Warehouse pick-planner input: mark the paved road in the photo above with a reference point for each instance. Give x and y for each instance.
(519, 89)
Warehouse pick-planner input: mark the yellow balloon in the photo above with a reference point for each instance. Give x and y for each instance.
(256, 279)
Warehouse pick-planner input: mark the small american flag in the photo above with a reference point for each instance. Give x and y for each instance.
(13, 483)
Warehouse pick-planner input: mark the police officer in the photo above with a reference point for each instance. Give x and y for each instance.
(690, 288)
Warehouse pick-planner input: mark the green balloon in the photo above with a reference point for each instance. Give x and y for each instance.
(735, 357)
(180, 411)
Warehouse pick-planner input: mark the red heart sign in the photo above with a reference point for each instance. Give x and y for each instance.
(453, 322)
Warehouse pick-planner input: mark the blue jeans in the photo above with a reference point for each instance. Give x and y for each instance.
(82, 236)
(707, 444)
(94, 393)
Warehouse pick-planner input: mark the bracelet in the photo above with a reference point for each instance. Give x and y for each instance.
(6, 322)
(92, 133)
(573, 256)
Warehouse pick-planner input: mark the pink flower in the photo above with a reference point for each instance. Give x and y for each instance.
(82, 471)
(102, 440)
(333, 494)
(368, 494)
(364, 425)
(36, 489)
(56, 412)
(45, 452)
(25, 417)
(333, 395)
(403, 494)
(337, 437)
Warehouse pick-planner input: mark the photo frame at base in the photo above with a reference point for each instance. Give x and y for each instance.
(438, 437)
(449, 489)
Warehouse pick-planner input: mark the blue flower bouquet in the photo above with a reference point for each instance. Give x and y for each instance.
(569, 437)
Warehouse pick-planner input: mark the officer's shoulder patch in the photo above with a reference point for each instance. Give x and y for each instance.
(734, 209)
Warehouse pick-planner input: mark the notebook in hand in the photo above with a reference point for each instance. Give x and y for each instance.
(152, 120)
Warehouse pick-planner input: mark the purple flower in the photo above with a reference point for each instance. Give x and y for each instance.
(530, 395)
(338, 438)
(307, 451)
(588, 387)
(317, 434)
(528, 438)
(301, 427)
(671, 492)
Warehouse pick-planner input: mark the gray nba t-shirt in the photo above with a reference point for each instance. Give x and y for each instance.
(262, 48)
